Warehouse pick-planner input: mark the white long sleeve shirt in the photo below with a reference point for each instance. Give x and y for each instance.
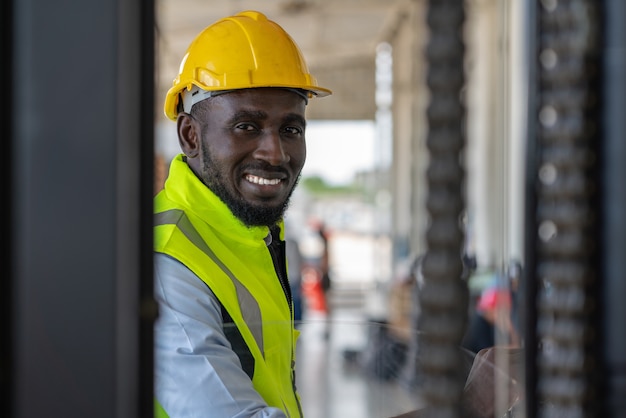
(197, 374)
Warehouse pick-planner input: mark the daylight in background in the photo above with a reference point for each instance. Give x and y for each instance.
(337, 150)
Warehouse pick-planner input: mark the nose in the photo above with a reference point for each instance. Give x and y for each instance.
(272, 149)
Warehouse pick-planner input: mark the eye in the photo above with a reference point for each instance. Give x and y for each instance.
(248, 127)
(293, 130)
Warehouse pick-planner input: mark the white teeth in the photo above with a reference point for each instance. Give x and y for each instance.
(261, 180)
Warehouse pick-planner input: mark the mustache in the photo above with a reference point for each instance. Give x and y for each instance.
(263, 166)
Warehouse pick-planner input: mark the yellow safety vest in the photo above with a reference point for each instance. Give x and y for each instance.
(195, 227)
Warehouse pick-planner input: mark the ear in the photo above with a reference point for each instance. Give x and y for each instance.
(188, 135)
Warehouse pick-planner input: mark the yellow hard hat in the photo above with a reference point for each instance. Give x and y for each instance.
(238, 52)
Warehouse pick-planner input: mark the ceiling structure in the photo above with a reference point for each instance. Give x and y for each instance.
(338, 38)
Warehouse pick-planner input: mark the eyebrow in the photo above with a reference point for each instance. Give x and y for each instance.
(248, 114)
(261, 115)
(294, 117)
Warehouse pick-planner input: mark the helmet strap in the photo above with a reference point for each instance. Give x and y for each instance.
(196, 94)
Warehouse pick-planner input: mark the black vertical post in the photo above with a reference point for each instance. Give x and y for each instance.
(614, 208)
(528, 284)
(6, 231)
(148, 307)
(77, 157)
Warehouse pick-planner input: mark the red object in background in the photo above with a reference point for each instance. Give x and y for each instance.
(493, 298)
(312, 290)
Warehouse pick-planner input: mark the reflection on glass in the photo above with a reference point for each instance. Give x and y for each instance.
(365, 369)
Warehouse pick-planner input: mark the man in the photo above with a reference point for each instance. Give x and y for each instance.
(225, 338)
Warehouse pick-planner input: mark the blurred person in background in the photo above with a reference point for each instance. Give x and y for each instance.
(493, 321)
(320, 268)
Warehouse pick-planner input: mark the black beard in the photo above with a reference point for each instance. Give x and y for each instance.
(249, 214)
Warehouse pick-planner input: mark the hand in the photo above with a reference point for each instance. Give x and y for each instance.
(479, 394)
(492, 367)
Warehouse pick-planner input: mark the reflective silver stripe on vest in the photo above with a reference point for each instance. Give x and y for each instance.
(247, 303)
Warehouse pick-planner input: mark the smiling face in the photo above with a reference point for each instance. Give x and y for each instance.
(248, 146)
